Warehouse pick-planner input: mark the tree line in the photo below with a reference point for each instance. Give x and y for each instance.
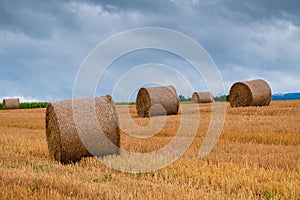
(217, 98)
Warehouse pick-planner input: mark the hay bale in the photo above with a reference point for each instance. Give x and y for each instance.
(250, 93)
(154, 101)
(64, 143)
(10, 104)
(202, 97)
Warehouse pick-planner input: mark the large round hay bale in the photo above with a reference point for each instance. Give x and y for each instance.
(64, 142)
(250, 93)
(202, 97)
(10, 104)
(154, 101)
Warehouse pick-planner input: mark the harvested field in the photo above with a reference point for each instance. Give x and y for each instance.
(256, 157)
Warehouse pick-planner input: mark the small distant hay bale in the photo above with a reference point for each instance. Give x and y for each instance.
(202, 97)
(155, 101)
(10, 104)
(250, 93)
(64, 142)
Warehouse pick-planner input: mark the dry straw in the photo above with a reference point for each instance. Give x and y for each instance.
(11, 104)
(154, 101)
(250, 93)
(202, 97)
(64, 143)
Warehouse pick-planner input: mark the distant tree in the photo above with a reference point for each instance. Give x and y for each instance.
(222, 98)
(26, 105)
(183, 98)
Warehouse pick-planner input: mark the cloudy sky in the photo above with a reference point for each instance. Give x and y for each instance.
(44, 43)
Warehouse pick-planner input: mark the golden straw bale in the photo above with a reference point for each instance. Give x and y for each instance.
(250, 93)
(11, 104)
(64, 142)
(154, 101)
(202, 97)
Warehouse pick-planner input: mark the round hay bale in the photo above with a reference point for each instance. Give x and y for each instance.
(154, 101)
(250, 93)
(64, 143)
(202, 97)
(10, 104)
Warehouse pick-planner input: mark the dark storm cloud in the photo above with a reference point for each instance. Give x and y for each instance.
(38, 19)
(164, 6)
(253, 9)
(43, 43)
(264, 9)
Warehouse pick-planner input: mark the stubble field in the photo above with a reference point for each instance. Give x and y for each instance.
(256, 157)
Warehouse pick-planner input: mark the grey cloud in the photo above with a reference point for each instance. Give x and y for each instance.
(247, 11)
(164, 6)
(44, 43)
(38, 19)
(235, 9)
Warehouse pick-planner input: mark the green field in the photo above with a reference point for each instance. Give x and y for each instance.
(26, 105)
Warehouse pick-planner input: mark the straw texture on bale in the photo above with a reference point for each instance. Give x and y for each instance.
(202, 97)
(250, 93)
(154, 101)
(10, 104)
(64, 142)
